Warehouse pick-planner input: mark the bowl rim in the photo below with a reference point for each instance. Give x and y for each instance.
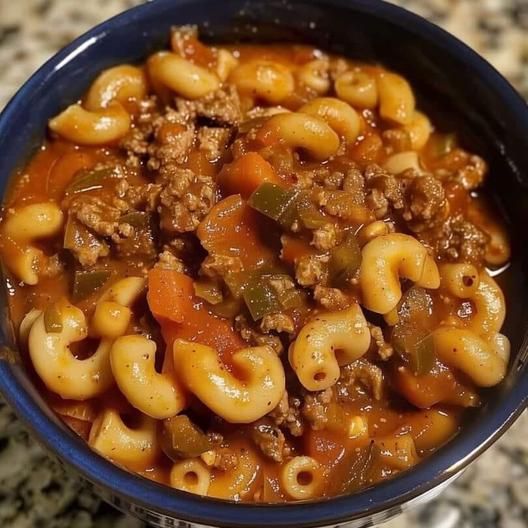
(376, 500)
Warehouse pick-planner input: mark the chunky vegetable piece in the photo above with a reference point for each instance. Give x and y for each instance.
(247, 173)
(300, 253)
(185, 316)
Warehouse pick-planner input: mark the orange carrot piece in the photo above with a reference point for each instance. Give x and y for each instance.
(327, 447)
(182, 315)
(294, 248)
(204, 328)
(427, 390)
(169, 294)
(232, 229)
(245, 174)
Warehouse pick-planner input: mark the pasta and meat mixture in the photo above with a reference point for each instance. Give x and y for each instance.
(256, 272)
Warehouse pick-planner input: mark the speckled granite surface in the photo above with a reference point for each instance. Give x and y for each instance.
(36, 492)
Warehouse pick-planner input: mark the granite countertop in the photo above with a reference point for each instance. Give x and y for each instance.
(35, 491)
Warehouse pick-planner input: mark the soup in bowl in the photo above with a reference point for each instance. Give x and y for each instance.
(262, 273)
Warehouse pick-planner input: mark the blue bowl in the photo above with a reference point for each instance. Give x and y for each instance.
(458, 88)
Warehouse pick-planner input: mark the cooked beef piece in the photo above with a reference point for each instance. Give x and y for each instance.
(167, 260)
(171, 147)
(287, 415)
(382, 347)
(384, 191)
(277, 322)
(185, 200)
(470, 172)
(222, 458)
(96, 214)
(221, 108)
(311, 270)
(315, 408)
(331, 298)
(364, 372)
(218, 266)
(142, 197)
(457, 239)
(255, 337)
(326, 237)
(425, 203)
(213, 141)
(137, 141)
(270, 440)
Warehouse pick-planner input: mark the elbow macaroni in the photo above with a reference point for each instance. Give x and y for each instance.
(236, 484)
(226, 62)
(398, 452)
(373, 230)
(358, 88)
(327, 342)
(490, 306)
(484, 361)
(92, 127)
(315, 75)
(125, 291)
(137, 447)
(157, 395)
(72, 378)
(181, 76)
(385, 260)
(302, 131)
(110, 319)
(191, 476)
(419, 130)
(120, 83)
(301, 478)
(396, 99)
(26, 324)
(245, 398)
(403, 161)
(23, 226)
(460, 280)
(339, 115)
(263, 79)
(50, 352)
(112, 313)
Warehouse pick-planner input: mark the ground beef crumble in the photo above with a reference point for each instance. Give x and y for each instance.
(185, 200)
(96, 214)
(222, 459)
(287, 415)
(221, 108)
(383, 348)
(311, 270)
(364, 372)
(457, 239)
(218, 266)
(331, 298)
(213, 141)
(171, 147)
(167, 260)
(277, 322)
(384, 191)
(254, 337)
(425, 203)
(270, 440)
(315, 408)
(326, 237)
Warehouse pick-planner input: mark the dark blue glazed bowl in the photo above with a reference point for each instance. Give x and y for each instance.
(457, 87)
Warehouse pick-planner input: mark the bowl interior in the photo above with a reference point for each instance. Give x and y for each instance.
(461, 93)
